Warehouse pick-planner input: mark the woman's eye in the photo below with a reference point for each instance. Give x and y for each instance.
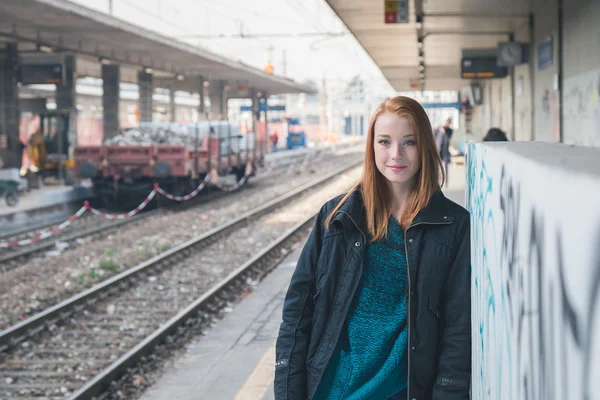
(410, 143)
(384, 142)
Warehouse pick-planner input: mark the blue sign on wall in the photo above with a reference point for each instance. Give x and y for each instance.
(545, 53)
(441, 105)
(261, 107)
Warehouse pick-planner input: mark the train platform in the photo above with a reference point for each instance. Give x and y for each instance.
(236, 358)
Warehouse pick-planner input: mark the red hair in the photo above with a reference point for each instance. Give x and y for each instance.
(372, 185)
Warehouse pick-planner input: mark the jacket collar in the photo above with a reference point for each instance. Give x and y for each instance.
(436, 211)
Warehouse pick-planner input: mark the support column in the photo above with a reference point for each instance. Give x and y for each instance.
(201, 117)
(66, 104)
(172, 106)
(10, 145)
(255, 117)
(146, 90)
(201, 106)
(222, 101)
(111, 78)
(266, 145)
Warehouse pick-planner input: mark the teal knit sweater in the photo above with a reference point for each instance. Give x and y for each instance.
(370, 359)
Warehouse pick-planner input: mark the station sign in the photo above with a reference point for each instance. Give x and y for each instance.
(40, 74)
(396, 11)
(482, 67)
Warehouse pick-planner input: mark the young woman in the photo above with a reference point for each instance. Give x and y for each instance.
(379, 303)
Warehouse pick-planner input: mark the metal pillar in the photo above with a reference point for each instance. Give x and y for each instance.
(66, 103)
(11, 149)
(111, 78)
(172, 115)
(266, 145)
(255, 116)
(146, 89)
(201, 117)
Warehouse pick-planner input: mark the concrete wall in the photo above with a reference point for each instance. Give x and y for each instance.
(546, 100)
(535, 226)
(582, 72)
(497, 110)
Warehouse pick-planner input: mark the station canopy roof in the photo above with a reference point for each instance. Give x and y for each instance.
(93, 35)
(447, 27)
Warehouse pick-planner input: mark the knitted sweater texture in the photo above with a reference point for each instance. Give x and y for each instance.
(370, 359)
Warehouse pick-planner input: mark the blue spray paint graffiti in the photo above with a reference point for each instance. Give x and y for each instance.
(529, 325)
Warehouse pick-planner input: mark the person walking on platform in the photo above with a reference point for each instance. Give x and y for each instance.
(274, 140)
(379, 304)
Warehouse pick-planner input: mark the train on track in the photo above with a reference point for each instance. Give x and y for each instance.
(176, 156)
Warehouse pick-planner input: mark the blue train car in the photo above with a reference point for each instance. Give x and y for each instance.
(296, 136)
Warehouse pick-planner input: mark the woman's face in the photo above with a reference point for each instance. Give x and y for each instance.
(396, 154)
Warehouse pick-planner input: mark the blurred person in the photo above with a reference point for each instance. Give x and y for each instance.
(495, 135)
(442, 141)
(379, 304)
(449, 131)
(274, 140)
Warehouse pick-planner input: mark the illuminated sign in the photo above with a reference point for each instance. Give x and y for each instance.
(40, 74)
(481, 68)
(396, 11)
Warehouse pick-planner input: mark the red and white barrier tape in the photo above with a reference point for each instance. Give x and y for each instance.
(187, 196)
(45, 234)
(269, 167)
(234, 187)
(291, 167)
(143, 204)
(131, 213)
(305, 162)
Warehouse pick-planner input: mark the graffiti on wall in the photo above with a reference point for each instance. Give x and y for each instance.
(536, 326)
(582, 109)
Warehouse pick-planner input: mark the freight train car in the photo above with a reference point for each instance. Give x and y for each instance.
(177, 157)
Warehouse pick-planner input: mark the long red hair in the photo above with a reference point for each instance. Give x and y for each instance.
(373, 186)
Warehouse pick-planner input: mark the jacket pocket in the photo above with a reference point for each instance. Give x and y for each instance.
(433, 306)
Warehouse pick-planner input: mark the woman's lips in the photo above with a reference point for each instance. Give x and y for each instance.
(397, 168)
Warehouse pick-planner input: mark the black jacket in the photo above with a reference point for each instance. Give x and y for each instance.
(439, 300)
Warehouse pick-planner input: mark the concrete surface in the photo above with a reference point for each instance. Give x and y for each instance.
(236, 359)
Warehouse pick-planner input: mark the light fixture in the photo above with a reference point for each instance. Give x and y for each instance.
(104, 61)
(206, 83)
(148, 70)
(421, 67)
(259, 94)
(419, 25)
(179, 77)
(45, 49)
(420, 42)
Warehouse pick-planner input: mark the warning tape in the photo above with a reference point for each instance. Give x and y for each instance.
(46, 234)
(271, 165)
(235, 186)
(188, 196)
(291, 167)
(131, 213)
(138, 209)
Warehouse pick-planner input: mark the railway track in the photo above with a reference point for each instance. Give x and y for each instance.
(78, 347)
(90, 226)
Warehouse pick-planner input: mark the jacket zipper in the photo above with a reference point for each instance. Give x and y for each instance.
(410, 293)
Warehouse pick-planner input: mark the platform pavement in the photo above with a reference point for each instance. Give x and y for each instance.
(236, 359)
